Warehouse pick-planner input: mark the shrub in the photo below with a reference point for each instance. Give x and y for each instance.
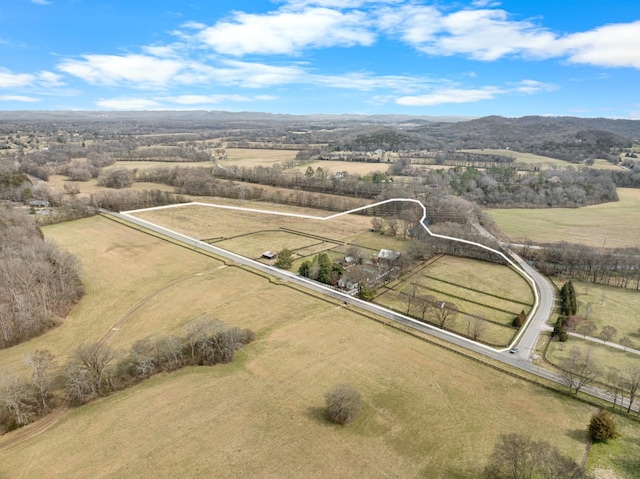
(343, 403)
(601, 427)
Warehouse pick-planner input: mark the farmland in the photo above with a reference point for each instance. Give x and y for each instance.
(616, 224)
(424, 406)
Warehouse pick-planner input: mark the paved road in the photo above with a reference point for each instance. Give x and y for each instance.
(526, 342)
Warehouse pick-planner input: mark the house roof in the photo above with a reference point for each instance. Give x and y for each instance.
(388, 254)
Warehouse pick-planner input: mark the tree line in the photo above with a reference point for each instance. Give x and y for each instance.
(95, 370)
(39, 283)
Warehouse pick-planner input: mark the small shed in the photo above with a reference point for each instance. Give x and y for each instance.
(269, 255)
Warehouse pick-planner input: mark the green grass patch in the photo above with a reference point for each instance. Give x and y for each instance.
(605, 356)
(615, 225)
(620, 456)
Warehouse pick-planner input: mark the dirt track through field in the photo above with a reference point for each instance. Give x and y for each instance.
(45, 422)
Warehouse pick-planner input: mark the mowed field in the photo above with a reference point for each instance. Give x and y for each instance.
(542, 162)
(615, 224)
(493, 292)
(427, 412)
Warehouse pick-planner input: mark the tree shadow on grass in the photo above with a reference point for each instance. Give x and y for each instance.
(580, 435)
(318, 414)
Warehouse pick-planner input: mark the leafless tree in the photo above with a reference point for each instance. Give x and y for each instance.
(607, 333)
(518, 457)
(476, 325)
(424, 303)
(587, 328)
(625, 342)
(42, 364)
(632, 382)
(15, 398)
(343, 403)
(616, 384)
(445, 313)
(578, 369)
(86, 373)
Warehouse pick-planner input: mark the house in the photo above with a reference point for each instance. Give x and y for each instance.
(269, 255)
(388, 255)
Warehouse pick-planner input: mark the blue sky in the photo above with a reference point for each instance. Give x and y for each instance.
(471, 58)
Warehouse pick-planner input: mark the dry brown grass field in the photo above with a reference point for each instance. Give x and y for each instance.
(251, 157)
(56, 183)
(427, 412)
(210, 222)
(525, 158)
(615, 224)
(494, 290)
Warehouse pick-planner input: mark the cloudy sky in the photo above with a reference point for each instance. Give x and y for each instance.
(420, 57)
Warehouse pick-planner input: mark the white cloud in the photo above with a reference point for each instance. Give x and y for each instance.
(616, 45)
(49, 79)
(287, 32)
(15, 80)
(128, 104)
(450, 95)
(530, 87)
(20, 98)
(41, 2)
(141, 70)
(470, 95)
(214, 99)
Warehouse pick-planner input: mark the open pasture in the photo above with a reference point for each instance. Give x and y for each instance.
(477, 288)
(120, 268)
(615, 224)
(529, 159)
(251, 157)
(605, 356)
(56, 183)
(204, 222)
(427, 412)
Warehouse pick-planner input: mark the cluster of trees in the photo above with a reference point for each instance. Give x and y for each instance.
(427, 308)
(96, 370)
(614, 267)
(568, 309)
(24, 398)
(516, 456)
(116, 178)
(322, 269)
(38, 282)
(503, 186)
(581, 368)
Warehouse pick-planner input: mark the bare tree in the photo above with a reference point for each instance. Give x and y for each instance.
(607, 333)
(578, 369)
(15, 398)
(587, 328)
(476, 326)
(445, 313)
(343, 403)
(42, 364)
(632, 382)
(518, 457)
(616, 384)
(424, 304)
(625, 342)
(92, 360)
